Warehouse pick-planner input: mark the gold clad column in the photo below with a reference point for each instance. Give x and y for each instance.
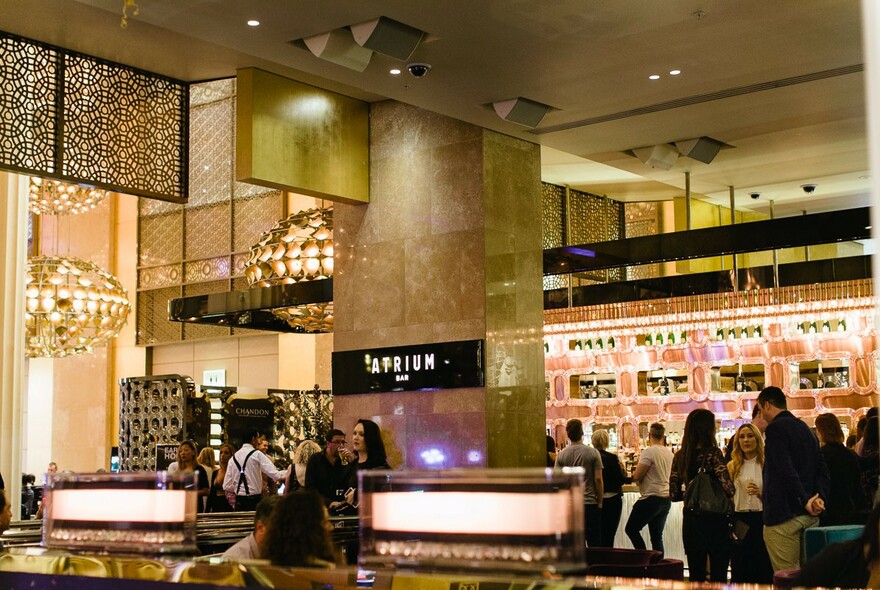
(13, 258)
(449, 249)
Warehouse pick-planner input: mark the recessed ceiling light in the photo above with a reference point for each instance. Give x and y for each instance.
(674, 72)
(654, 77)
(253, 23)
(394, 71)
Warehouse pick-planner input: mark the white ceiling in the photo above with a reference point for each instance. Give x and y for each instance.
(588, 59)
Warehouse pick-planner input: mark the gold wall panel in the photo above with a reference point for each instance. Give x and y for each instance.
(296, 137)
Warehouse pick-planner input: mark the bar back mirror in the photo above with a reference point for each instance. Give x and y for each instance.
(738, 378)
(594, 386)
(819, 374)
(663, 382)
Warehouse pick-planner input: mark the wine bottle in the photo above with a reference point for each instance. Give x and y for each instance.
(684, 338)
(599, 344)
(578, 346)
(826, 327)
(658, 339)
(820, 379)
(758, 332)
(611, 342)
(841, 325)
(670, 338)
(649, 340)
(813, 328)
(719, 335)
(744, 332)
(740, 380)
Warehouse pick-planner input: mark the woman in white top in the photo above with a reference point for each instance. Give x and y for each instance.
(187, 462)
(749, 561)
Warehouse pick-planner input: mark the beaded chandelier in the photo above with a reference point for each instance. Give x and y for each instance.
(72, 306)
(60, 198)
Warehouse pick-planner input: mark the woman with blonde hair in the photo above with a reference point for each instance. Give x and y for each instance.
(218, 501)
(296, 475)
(749, 561)
(187, 461)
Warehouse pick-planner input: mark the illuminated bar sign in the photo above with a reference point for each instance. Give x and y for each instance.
(444, 365)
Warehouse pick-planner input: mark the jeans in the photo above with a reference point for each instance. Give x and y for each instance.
(593, 525)
(706, 538)
(651, 511)
(611, 509)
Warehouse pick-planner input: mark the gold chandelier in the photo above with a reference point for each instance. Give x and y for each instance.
(72, 306)
(298, 248)
(54, 197)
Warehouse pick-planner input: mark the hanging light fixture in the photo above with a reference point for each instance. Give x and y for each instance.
(72, 306)
(298, 248)
(54, 197)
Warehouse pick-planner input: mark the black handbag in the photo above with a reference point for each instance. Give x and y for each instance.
(704, 494)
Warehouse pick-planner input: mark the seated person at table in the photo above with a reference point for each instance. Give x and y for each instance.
(299, 532)
(252, 546)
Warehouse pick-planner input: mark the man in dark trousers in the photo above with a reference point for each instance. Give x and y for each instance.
(325, 472)
(796, 480)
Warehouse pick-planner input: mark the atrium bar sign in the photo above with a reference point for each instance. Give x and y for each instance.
(444, 365)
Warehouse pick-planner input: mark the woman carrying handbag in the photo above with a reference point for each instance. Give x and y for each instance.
(707, 496)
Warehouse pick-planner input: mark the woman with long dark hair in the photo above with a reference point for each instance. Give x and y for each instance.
(217, 498)
(299, 532)
(366, 442)
(704, 535)
(749, 560)
(846, 502)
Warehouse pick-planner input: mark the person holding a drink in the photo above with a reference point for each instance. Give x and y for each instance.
(327, 471)
(749, 561)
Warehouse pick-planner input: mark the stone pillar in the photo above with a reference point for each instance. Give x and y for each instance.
(449, 248)
(13, 257)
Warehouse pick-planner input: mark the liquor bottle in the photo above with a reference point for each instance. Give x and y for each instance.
(670, 338)
(658, 339)
(546, 348)
(731, 334)
(719, 335)
(740, 380)
(800, 328)
(578, 346)
(826, 327)
(841, 325)
(820, 379)
(758, 332)
(588, 345)
(611, 342)
(813, 328)
(684, 338)
(599, 344)
(663, 385)
(744, 332)
(594, 393)
(649, 340)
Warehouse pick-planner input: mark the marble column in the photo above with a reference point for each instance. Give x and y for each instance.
(449, 248)
(13, 257)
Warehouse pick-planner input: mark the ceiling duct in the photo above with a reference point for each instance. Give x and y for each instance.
(662, 155)
(703, 149)
(521, 110)
(338, 46)
(388, 37)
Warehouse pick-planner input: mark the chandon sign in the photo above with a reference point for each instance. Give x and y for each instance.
(445, 365)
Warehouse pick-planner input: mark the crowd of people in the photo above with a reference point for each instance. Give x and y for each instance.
(779, 478)
(293, 529)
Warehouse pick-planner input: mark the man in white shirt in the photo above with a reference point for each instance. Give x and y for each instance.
(244, 474)
(251, 547)
(652, 475)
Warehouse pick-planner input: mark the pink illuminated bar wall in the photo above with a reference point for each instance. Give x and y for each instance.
(785, 327)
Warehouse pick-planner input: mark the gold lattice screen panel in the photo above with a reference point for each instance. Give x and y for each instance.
(74, 117)
(151, 412)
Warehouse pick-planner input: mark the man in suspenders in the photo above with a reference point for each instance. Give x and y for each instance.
(244, 473)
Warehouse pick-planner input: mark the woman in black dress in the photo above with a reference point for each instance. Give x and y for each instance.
(366, 442)
(846, 503)
(703, 535)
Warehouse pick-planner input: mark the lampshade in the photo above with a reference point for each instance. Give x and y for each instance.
(298, 248)
(60, 198)
(72, 306)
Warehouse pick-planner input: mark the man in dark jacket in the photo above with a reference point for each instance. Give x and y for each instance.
(796, 480)
(326, 473)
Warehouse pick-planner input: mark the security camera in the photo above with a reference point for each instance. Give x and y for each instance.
(418, 70)
(809, 188)
(755, 195)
